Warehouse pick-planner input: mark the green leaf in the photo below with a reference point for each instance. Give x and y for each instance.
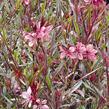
(16, 55)
(76, 27)
(81, 107)
(18, 3)
(48, 81)
(43, 8)
(103, 46)
(7, 99)
(107, 18)
(4, 34)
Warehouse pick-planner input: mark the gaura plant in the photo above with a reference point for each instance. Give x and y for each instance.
(54, 54)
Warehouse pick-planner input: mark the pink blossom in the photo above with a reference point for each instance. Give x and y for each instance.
(90, 52)
(28, 98)
(30, 101)
(64, 52)
(67, 52)
(41, 33)
(31, 38)
(80, 49)
(73, 52)
(26, 2)
(41, 104)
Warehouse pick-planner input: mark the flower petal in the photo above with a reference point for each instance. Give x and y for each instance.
(24, 95)
(44, 107)
(29, 91)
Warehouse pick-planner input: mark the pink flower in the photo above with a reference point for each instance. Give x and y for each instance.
(67, 52)
(63, 52)
(31, 38)
(41, 33)
(90, 52)
(28, 98)
(73, 52)
(26, 2)
(79, 51)
(41, 104)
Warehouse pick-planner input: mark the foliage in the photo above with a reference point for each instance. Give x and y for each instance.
(54, 54)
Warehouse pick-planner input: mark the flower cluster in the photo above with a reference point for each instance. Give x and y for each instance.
(29, 100)
(80, 51)
(41, 33)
